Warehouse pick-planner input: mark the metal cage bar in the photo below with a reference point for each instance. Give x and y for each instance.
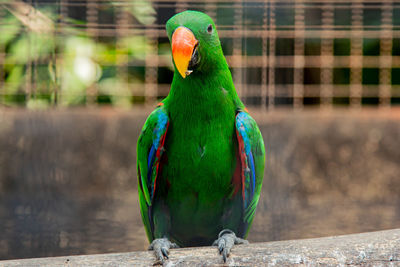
(271, 57)
(385, 59)
(356, 55)
(327, 59)
(298, 85)
(92, 16)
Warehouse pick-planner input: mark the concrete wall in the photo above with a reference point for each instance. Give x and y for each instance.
(68, 178)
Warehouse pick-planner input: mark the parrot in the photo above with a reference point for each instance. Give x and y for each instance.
(200, 155)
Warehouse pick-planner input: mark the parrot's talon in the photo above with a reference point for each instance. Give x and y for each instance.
(224, 256)
(225, 242)
(221, 247)
(161, 248)
(164, 252)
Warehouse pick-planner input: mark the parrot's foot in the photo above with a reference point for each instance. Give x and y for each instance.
(161, 248)
(226, 240)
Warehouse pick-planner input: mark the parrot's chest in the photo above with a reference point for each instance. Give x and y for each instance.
(200, 158)
(197, 180)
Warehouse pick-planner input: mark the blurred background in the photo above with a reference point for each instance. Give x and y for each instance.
(79, 77)
(281, 53)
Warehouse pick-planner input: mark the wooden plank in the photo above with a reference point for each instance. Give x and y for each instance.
(367, 249)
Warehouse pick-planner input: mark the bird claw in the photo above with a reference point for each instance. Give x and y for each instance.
(225, 242)
(161, 248)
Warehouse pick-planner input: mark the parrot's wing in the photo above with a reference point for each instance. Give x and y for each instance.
(252, 159)
(150, 148)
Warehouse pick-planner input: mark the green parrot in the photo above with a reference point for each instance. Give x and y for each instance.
(200, 156)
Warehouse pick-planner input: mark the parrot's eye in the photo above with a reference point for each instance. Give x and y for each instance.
(209, 29)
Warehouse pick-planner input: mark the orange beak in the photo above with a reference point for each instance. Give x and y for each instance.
(183, 44)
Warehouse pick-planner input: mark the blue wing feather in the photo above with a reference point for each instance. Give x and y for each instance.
(150, 162)
(253, 173)
(149, 152)
(243, 127)
(252, 153)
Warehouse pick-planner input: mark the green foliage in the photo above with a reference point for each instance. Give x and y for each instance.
(45, 68)
(142, 10)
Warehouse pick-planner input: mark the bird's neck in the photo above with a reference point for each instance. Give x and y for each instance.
(200, 94)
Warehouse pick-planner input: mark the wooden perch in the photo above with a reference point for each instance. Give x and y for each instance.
(367, 249)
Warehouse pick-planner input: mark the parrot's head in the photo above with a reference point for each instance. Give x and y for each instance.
(195, 43)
